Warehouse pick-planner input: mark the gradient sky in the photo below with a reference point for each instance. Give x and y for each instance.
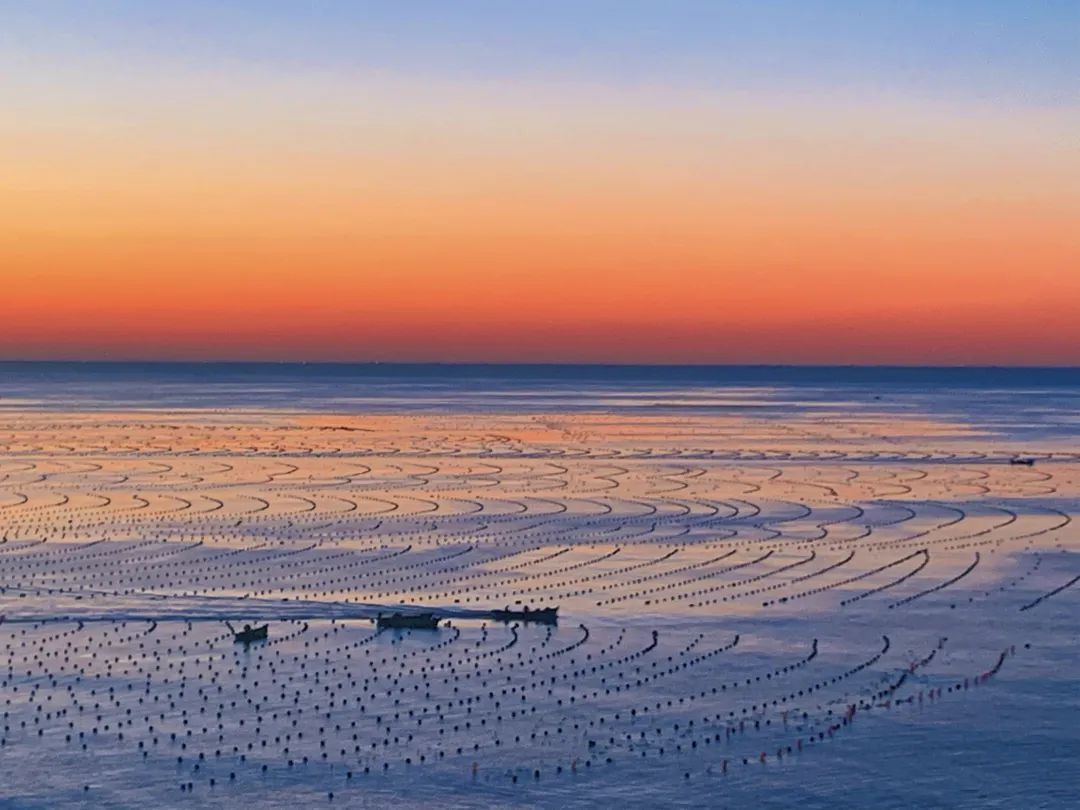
(778, 182)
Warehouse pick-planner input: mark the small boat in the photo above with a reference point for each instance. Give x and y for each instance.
(249, 633)
(1027, 462)
(542, 615)
(408, 621)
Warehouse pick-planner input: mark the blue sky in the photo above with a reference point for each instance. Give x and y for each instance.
(982, 52)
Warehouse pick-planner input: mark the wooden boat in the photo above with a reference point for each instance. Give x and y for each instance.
(542, 615)
(249, 633)
(1027, 462)
(408, 621)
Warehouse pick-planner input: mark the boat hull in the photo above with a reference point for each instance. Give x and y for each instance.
(542, 616)
(247, 636)
(408, 621)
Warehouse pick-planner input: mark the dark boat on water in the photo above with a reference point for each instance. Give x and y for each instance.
(249, 633)
(408, 621)
(541, 616)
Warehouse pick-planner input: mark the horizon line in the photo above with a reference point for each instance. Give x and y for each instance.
(533, 364)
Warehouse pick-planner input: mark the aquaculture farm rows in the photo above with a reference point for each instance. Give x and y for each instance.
(733, 598)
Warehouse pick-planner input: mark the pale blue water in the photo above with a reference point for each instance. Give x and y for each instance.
(1021, 402)
(1013, 742)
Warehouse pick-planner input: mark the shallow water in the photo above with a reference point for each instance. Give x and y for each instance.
(801, 542)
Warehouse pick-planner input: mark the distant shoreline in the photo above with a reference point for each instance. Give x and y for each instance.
(438, 364)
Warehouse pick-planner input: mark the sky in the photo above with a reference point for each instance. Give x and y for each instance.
(781, 181)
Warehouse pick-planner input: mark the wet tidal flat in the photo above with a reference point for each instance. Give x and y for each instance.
(832, 611)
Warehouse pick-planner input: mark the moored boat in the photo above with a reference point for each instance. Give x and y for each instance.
(541, 615)
(249, 633)
(408, 621)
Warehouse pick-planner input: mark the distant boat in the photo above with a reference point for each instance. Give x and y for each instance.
(249, 633)
(1027, 462)
(408, 621)
(542, 616)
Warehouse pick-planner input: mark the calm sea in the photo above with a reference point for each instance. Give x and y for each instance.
(1014, 401)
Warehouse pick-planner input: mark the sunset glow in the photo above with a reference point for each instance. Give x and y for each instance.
(257, 195)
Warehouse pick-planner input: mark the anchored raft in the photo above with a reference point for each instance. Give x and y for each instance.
(249, 633)
(542, 616)
(408, 621)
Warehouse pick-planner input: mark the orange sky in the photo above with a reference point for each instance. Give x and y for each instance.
(381, 219)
